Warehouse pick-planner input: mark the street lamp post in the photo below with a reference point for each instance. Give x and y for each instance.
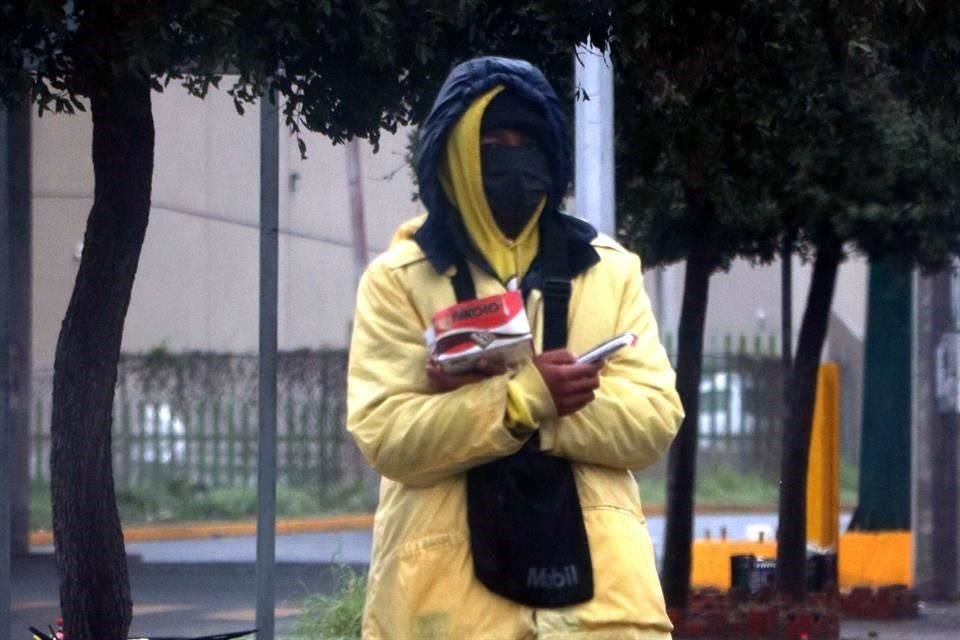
(267, 407)
(935, 518)
(594, 179)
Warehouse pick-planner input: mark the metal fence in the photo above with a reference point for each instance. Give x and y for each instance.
(741, 404)
(193, 418)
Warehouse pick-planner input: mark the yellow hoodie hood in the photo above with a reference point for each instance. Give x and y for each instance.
(462, 181)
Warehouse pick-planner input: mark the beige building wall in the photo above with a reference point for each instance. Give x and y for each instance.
(63, 187)
(745, 301)
(197, 284)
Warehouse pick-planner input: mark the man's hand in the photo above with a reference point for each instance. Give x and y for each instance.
(441, 382)
(571, 385)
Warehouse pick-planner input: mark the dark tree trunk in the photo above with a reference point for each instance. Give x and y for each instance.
(795, 457)
(682, 459)
(91, 559)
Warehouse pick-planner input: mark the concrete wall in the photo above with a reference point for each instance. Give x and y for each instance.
(745, 301)
(197, 284)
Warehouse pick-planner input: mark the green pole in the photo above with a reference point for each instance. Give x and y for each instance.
(884, 492)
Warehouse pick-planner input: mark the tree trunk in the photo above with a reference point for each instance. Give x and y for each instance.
(91, 559)
(682, 460)
(795, 457)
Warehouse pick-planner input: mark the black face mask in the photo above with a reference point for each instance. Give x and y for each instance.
(515, 179)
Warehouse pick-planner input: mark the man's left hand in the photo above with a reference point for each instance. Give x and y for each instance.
(441, 381)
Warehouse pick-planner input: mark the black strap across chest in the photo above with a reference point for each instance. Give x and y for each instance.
(555, 269)
(527, 535)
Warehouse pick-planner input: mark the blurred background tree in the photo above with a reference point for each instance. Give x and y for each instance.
(745, 129)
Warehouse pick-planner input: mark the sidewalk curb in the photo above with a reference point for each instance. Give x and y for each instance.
(290, 526)
(200, 530)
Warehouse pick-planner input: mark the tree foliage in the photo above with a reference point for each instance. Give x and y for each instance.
(688, 98)
(824, 127)
(342, 68)
(694, 90)
(789, 116)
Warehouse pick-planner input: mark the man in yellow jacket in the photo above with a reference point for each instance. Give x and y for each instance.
(493, 165)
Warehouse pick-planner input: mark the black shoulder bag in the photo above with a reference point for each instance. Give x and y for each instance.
(527, 536)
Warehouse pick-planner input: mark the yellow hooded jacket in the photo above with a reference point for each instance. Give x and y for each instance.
(421, 582)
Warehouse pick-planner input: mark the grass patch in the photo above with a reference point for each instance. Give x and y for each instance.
(849, 483)
(41, 510)
(179, 501)
(727, 487)
(337, 616)
(721, 486)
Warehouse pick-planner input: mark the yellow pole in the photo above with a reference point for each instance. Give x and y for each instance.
(823, 474)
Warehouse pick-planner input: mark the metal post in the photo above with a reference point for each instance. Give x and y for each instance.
(659, 297)
(361, 252)
(786, 318)
(19, 315)
(267, 452)
(5, 493)
(945, 422)
(935, 521)
(357, 218)
(594, 180)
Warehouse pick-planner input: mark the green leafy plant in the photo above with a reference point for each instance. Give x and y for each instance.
(336, 616)
(181, 502)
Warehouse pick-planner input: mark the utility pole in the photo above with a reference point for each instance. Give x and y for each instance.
(361, 253)
(357, 216)
(15, 365)
(594, 179)
(19, 322)
(786, 318)
(267, 406)
(935, 524)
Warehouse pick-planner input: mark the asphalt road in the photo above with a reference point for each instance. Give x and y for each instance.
(176, 599)
(353, 547)
(193, 587)
(209, 585)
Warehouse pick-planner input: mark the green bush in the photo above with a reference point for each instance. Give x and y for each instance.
(727, 486)
(849, 482)
(716, 485)
(41, 510)
(337, 616)
(177, 501)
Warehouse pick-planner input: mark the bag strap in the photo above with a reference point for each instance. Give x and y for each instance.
(463, 282)
(555, 266)
(556, 283)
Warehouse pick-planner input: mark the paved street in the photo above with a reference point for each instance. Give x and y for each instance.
(176, 598)
(354, 546)
(193, 587)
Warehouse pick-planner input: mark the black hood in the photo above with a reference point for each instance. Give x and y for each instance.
(467, 82)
